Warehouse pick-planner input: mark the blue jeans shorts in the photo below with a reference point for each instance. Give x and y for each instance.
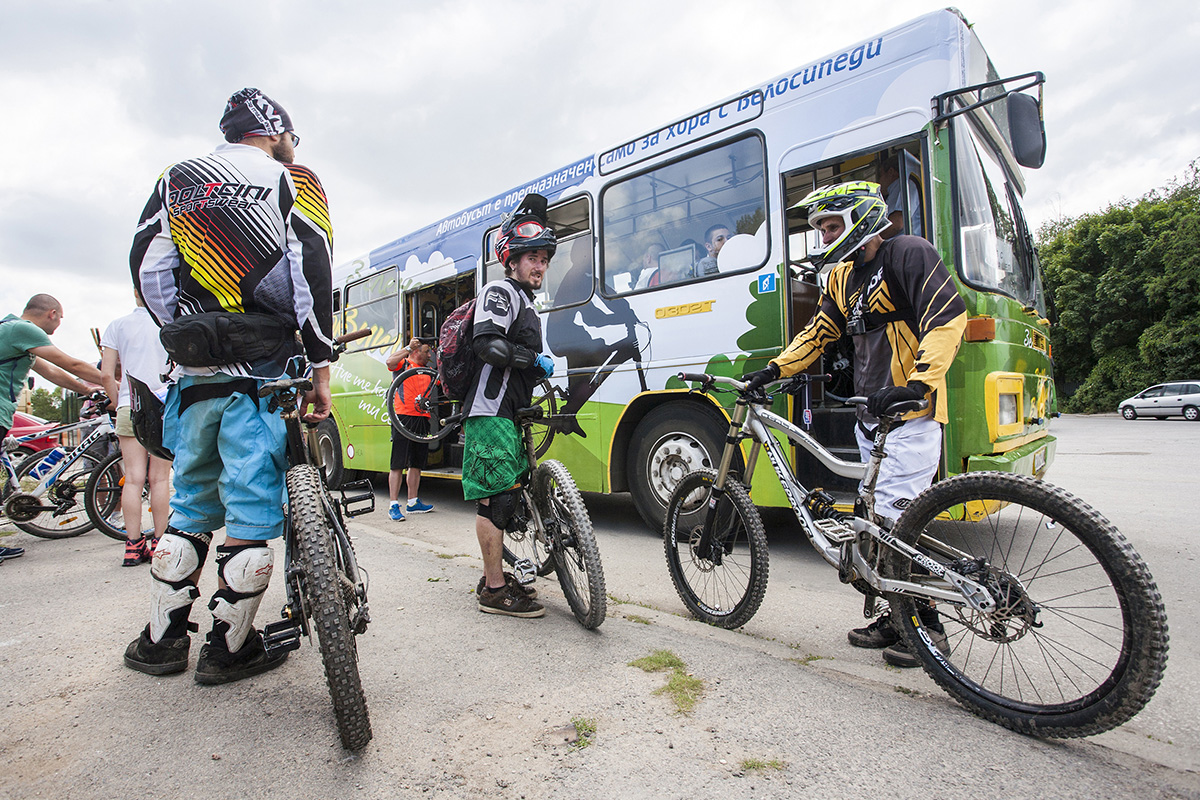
(230, 459)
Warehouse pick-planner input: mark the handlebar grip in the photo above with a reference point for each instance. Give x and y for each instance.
(692, 377)
(352, 336)
(821, 378)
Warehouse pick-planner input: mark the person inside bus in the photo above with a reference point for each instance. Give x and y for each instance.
(899, 305)
(647, 268)
(406, 454)
(714, 239)
(890, 177)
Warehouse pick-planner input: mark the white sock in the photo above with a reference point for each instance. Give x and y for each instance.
(413, 501)
(395, 504)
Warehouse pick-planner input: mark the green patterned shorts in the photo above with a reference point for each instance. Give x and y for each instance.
(493, 456)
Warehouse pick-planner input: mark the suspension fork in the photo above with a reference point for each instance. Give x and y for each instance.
(705, 545)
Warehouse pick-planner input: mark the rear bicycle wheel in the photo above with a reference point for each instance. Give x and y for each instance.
(546, 397)
(102, 498)
(323, 587)
(69, 489)
(428, 399)
(525, 549)
(572, 542)
(724, 585)
(1077, 642)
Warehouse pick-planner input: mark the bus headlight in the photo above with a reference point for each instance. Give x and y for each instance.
(1003, 395)
(1007, 411)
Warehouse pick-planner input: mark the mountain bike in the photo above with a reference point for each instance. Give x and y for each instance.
(445, 415)
(1052, 623)
(102, 499)
(552, 532)
(326, 588)
(44, 494)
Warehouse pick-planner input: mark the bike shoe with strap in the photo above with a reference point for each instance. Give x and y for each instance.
(878, 634)
(136, 552)
(166, 657)
(509, 602)
(511, 580)
(899, 654)
(217, 665)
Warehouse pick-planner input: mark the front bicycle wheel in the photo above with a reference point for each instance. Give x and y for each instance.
(102, 498)
(68, 490)
(573, 543)
(323, 587)
(1077, 641)
(423, 393)
(527, 550)
(724, 582)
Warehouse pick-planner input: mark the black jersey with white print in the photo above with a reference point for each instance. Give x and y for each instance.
(504, 308)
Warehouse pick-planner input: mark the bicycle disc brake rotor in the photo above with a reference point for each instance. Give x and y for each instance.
(1015, 612)
(704, 562)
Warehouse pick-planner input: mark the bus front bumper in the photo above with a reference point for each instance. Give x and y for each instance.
(1029, 459)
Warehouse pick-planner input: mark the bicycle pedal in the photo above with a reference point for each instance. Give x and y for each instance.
(364, 495)
(834, 530)
(281, 636)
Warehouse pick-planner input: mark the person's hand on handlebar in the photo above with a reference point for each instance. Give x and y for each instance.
(756, 380)
(879, 400)
(319, 397)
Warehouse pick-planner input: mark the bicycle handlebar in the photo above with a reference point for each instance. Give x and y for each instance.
(706, 382)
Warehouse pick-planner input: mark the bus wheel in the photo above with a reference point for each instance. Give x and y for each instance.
(329, 443)
(671, 441)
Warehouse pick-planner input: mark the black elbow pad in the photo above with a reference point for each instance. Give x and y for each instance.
(500, 352)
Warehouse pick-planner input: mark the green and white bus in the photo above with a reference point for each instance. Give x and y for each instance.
(633, 295)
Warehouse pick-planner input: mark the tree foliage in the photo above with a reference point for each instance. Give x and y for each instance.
(45, 403)
(1125, 283)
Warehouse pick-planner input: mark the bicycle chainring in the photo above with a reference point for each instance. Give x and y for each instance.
(23, 508)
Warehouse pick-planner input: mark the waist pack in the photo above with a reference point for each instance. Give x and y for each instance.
(214, 338)
(146, 414)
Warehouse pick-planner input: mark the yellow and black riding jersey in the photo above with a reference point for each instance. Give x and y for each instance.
(906, 325)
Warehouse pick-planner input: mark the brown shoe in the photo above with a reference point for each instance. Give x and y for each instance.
(511, 580)
(509, 602)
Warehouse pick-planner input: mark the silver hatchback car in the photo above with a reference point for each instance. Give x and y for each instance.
(1175, 399)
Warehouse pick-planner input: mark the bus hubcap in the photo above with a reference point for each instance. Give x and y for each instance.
(674, 456)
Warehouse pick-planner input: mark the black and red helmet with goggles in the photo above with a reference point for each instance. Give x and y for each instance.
(524, 230)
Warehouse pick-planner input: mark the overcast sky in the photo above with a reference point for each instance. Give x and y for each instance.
(412, 111)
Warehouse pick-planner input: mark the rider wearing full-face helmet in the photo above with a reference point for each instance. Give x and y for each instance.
(508, 343)
(898, 303)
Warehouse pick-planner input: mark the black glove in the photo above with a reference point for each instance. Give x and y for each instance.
(878, 401)
(756, 380)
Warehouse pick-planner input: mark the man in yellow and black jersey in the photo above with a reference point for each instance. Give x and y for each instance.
(902, 310)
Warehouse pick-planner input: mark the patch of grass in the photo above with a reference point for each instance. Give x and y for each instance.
(808, 659)
(908, 691)
(585, 731)
(683, 688)
(637, 618)
(446, 555)
(759, 765)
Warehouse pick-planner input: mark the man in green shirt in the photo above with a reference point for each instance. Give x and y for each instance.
(25, 345)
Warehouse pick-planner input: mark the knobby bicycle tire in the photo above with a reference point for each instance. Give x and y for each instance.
(573, 542)
(73, 481)
(323, 587)
(523, 542)
(1078, 642)
(102, 498)
(726, 585)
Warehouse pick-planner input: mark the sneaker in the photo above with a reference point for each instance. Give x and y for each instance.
(11, 552)
(217, 665)
(395, 513)
(899, 654)
(153, 540)
(511, 580)
(879, 633)
(418, 507)
(136, 552)
(511, 603)
(167, 657)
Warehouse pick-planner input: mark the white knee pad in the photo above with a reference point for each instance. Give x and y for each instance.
(171, 593)
(246, 571)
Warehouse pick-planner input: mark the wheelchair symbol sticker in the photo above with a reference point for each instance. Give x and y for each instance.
(766, 283)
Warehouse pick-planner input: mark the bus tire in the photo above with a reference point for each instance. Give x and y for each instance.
(671, 441)
(329, 443)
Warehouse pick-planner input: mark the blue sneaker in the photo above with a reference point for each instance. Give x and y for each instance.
(394, 513)
(16, 552)
(418, 507)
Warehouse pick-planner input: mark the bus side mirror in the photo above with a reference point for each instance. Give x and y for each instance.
(1027, 130)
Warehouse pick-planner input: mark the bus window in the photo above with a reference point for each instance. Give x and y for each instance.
(568, 281)
(374, 303)
(666, 226)
(993, 253)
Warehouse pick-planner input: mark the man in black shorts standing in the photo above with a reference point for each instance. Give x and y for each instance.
(508, 342)
(409, 455)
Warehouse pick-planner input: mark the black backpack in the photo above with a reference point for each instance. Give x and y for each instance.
(456, 360)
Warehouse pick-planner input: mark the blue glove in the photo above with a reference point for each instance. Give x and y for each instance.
(545, 364)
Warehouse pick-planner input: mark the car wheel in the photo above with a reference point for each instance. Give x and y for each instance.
(1191, 413)
(1128, 413)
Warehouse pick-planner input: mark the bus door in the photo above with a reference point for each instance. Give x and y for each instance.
(897, 169)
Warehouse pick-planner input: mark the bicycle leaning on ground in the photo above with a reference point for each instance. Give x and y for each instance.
(44, 494)
(551, 530)
(326, 588)
(1047, 620)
